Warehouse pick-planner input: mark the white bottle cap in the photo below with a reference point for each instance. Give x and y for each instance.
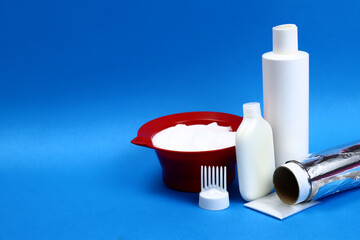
(252, 109)
(285, 39)
(214, 199)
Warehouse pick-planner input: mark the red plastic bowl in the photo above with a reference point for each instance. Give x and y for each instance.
(181, 170)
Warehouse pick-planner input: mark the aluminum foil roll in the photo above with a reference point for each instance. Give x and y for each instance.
(321, 174)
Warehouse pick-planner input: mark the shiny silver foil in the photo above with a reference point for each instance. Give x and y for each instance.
(332, 171)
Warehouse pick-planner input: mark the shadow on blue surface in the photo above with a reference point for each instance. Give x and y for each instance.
(158, 187)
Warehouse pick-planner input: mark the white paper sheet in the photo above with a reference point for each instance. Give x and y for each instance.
(273, 206)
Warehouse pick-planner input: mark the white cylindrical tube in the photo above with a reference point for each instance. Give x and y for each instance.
(286, 94)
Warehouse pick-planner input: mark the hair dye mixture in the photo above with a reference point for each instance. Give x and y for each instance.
(195, 138)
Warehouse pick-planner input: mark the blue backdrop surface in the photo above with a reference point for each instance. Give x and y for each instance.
(78, 78)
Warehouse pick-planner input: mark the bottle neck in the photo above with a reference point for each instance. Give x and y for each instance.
(252, 110)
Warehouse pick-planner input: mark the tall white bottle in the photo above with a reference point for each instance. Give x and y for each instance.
(286, 94)
(254, 154)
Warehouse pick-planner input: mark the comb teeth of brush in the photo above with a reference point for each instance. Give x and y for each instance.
(213, 177)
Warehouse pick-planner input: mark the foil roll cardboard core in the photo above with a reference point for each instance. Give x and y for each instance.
(286, 185)
(292, 183)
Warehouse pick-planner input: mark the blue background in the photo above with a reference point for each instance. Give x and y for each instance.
(78, 78)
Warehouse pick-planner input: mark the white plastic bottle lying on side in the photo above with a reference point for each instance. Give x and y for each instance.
(286, 94)
(254, 154)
